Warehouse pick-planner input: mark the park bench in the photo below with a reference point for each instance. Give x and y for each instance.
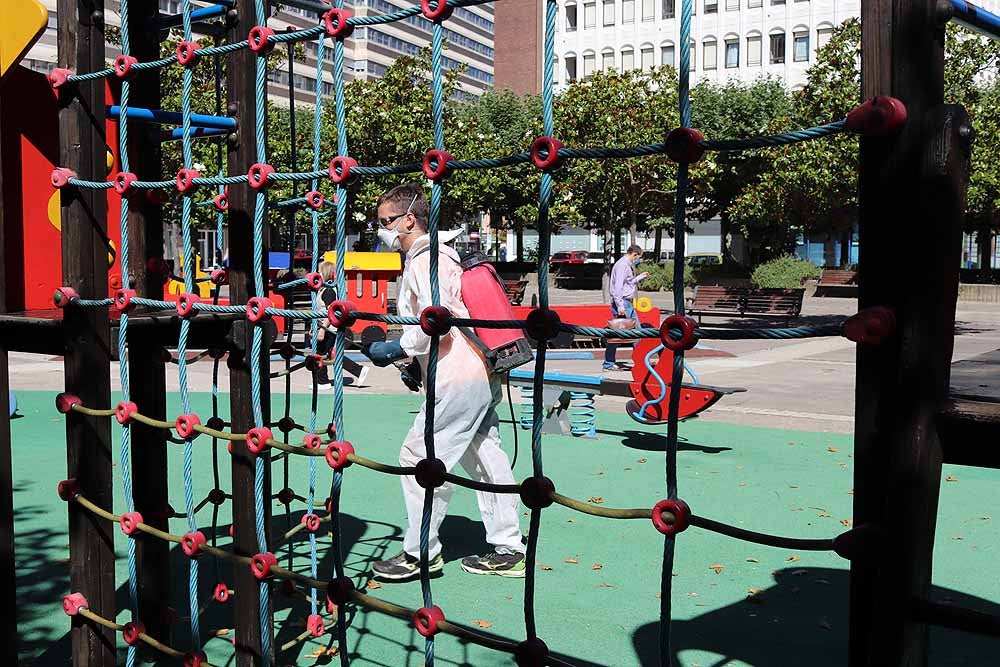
(746, 302)
(837, 282)
(515, 291)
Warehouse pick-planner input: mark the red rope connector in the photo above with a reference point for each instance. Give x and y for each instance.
(315, 200)
(338, 591)
(312, 441)
(221, 200)
(542, 324)
(66, 401)
(124, 412)
(335, 22)
(185, 305)
(340, 168)
(261, 565)
(195, 659)
(185, 179)
(536, 492)
(59, 77)
(311, 522)
(341, 314)
(192, 543)
(257, 439)
(187, 53)
(124, 183)
(687, 339)
(123, 66)
(435, 320)
(430, 473)
(337, 453)
(258, 174)
(679, 516)
(73, 603)
(315, 625)
(426, 619)
(221, 593)
(435, 164)
(545, 153)
(531, 653)
(439, 12)
(131, 632)
(881, 116)
(870, 326)
(684, 145)
(60, 177)
(260, 39)
(129, 522)
(314, 281)
(257, 308)
(157, 197)
(68, 489)
(123, 300)
(286, 424)
(314, 362)
(185, 426)
(219, 276)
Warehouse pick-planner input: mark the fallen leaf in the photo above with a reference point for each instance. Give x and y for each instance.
(545, 567)
(793, 486)
(824, 582)
(846, 523)
(571, 561)
(824, 515)
(752, 560)
(641, 461)
(754, 591)
(323, 652)
(792, 559)
(659, 597)
(799, 573)
(739, 467)
(692, 595)
(825, 625)
(605, 585)
(570, 520)
(951, 478)
(718, 568)
(832, 449)
(851, 492)
(597, 500)
(958, 537)
(373, 585)
(479, 623)
(596, 566)
(628, 468)
(509, 597)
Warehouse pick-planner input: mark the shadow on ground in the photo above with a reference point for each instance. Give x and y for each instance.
(656, 442)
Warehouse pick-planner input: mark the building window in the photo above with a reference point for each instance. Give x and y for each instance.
(755, 3)
(800, 47)
(570, 18)
(732, 5)
(589, 15)
(711, 6)
(628, 11)
(628, 59)
(692, 53)
(609, 12)
(589, 62)
(646, 54)
(753, 50)
(667, 55)
(777, 2)
(668, 8)
(607, 60)
(823, 37)
(711, 50)
(648, 10)
(732, 53)
(777, 52)
(555, 70)
(570, 69)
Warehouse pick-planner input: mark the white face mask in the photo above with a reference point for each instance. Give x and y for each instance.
(389, 239)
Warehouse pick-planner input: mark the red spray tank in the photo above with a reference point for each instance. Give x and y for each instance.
(485, 298)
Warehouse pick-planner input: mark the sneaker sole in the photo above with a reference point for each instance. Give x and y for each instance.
(513, 574)
(408, 576)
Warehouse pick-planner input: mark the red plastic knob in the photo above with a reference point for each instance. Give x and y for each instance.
(338, 591)
(435, 163)
(257, 308)
(871, 326)
(221, 201)
(257, 439)
(312, 441)
(542, 324)
(185, 426)
(258, 175)
(220, 276)
(261, 565)
(336, 23)
(124, 183)
(59, 77)
(195, 659)
(65, 402)
(341, 314)
(545, 153)
(684, 145)
(678, 515)
(123, 300)
(157, 197)
(73, 603)
(340, 168)
(314, 281)
(314, 362)
(187, 53)
(260, 39)
(315, 625)
(315, 199)
(129, 522)
(311, 522)
(114, 281)
(531, 653)
(435, 320)
(536, 492)
(124, 411)
(185, 179)
(60, 177)
(687, 338)
(430, 473)
(426, 620)
(123, 65)
(68, 489)
(185, 305)
(131, 632)
(440, 11)
(192, 543)
(337, 453)
(881, 116)
(221, 593)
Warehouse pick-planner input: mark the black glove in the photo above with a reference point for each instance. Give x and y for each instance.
(411, 375)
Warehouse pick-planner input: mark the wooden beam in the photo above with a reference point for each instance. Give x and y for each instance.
(87, 355)
(969, 431)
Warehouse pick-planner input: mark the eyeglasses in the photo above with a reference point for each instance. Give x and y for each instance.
(385, 222)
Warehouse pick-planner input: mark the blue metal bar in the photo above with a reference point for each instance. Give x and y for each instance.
(178, 133)
(976, 18)
(200, 14)
(174, 118)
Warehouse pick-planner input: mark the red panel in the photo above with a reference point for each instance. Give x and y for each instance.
(589, 315)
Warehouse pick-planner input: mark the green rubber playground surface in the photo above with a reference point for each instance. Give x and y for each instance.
(597, 598)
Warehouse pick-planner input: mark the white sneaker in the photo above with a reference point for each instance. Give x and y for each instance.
(360, 382)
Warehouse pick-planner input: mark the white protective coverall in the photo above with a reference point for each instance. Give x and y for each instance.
(465, 418)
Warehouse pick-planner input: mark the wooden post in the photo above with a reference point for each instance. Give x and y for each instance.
(87, 331)
(912, 188)
(147, 371)
(241, 87)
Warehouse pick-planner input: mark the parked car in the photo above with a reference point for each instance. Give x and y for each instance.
(665, 256)
(566, 257)
(594, 258)
(704, 259)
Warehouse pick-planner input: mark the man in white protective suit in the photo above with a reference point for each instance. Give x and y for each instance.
(466, 395)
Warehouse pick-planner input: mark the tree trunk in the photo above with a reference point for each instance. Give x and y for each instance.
(608, 261)
(724, 227)
(657, 244)
(618, 241)
(845, 248)
(983, 240)
(520, 243)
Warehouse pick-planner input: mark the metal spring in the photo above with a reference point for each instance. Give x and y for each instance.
(582, 414)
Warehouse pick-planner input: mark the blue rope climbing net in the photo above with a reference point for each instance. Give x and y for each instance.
(678, 333)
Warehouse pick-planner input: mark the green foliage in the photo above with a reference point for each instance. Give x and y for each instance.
(785, 272)
(661, 276)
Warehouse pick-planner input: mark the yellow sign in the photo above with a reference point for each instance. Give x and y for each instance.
(22, 22)
(367, 261)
